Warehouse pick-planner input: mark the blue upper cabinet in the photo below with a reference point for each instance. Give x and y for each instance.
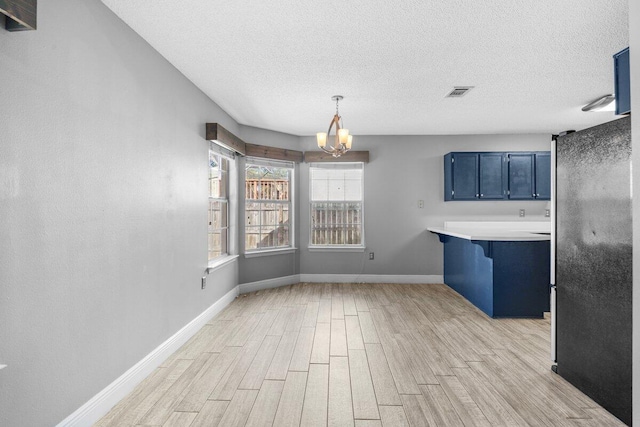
(521, 178)
(463, 176)
(543, 176)
(491, 183)
(622, 85)
(497, 176)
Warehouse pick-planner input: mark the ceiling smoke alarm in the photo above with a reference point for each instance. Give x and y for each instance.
(459, 91)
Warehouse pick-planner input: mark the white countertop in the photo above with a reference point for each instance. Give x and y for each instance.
(506, 231)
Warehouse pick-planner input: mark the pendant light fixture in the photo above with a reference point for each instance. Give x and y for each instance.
(342, 139)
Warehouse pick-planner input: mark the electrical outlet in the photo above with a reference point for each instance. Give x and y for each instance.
(421, 204)
(204, 282)
(521, 213)
(547, 213)
(370, 255)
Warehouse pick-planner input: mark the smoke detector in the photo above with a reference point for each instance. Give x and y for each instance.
(459, 91)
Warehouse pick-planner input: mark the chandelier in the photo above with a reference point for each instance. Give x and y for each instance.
(343, 140)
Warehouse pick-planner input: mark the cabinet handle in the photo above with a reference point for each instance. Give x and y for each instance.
(533, 195)
(477, 195)
(481, 195)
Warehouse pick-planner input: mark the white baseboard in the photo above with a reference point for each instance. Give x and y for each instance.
(371, 278)
(102, 402)
(269, 283)
(338, 278)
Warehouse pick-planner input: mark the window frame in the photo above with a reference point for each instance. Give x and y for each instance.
(270, 250)
(221, 154)
(337, 247)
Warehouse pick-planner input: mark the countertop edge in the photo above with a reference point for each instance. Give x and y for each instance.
(492, 235)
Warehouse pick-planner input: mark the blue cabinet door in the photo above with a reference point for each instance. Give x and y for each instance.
(622, 82)
(491, 183)
(543, 176)
(521, 176)
(465, 176)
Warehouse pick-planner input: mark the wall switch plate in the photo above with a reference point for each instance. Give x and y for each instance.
(204, 282)
(371, 255)
(421, 204)
(547, 213)
(521, 213)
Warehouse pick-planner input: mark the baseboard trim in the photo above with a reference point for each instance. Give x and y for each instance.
(371, 278)
(338, 278)
(89, 413)
(269, 283)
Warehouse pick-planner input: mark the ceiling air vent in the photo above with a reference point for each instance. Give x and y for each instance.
(459, 91)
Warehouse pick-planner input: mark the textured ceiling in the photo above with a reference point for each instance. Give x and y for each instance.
(275, 65)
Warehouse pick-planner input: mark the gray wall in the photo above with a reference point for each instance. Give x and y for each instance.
(401, 171)
(634, 50)
(103, 207)
(272, 265)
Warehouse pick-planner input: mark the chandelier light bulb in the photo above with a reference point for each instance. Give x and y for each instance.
(322, 139)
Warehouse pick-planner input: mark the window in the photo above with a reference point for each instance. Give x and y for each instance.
(336, 204)
(268, 211)
(218, 205)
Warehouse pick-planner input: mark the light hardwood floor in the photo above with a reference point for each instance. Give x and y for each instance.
(359, 355)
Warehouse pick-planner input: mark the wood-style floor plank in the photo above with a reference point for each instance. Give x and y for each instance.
(166, 405)
(340, 411)
(266, 404)
(239, 408)
(321, 343)
(302, 352)
(180, 419)
(365, 405)
(338, 346)
(383, 383)
(393, 416)
(210, 414)
(365, 355)
(289, 410)
(281, 359)
(314, 411)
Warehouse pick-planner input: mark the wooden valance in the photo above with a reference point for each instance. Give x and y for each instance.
(21, 14)
(349, 156)
(267, 152)
(215, 132)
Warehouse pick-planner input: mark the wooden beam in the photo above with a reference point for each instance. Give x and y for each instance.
(215, 132)
(274, 153)
(349, 156)
(20, 14)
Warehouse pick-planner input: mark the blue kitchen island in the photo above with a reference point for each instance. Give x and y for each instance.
(503, 268)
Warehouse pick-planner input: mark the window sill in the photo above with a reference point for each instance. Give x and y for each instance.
(220, 262)
(268, 252)
(336, 248)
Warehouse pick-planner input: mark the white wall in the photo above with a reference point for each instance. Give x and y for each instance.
(634, 50)
(103, 208)
(401, 171)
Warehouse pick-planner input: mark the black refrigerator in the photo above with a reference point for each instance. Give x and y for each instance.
(591, 317)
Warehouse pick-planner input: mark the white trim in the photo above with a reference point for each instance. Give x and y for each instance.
(218, 263)
(328, 248)
(265, 252)
(102, 402)
(339, 278)
(371, 278)
(269, 283)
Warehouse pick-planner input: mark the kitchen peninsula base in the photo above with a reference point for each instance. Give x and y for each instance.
(503, 278)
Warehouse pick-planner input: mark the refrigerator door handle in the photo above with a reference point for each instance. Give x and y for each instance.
(553, 323)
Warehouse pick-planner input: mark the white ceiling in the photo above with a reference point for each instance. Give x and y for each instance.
(276, 64)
